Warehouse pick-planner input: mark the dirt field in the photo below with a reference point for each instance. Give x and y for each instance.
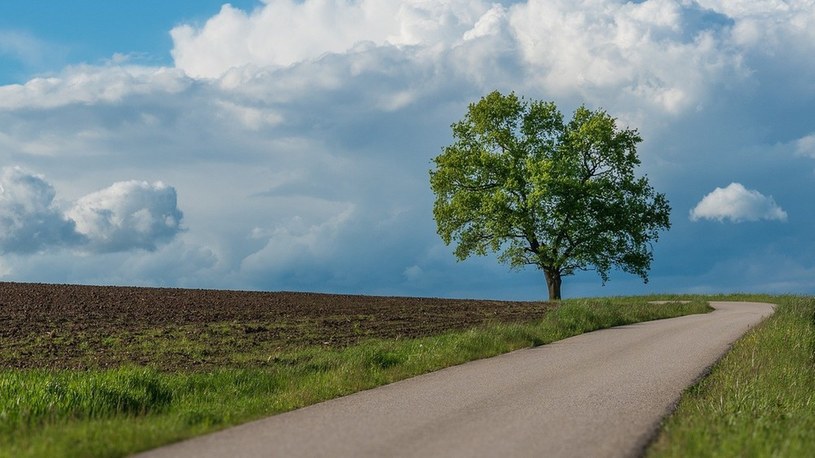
(69, 326)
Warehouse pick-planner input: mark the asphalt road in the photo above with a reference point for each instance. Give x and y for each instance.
(600, 394)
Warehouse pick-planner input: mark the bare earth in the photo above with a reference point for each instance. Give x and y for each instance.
(600, 394)
(71, 326)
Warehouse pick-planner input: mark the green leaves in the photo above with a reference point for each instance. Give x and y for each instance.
(561, 196)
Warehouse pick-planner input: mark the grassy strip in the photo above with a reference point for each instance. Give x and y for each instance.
(119, 411)
(759, 400)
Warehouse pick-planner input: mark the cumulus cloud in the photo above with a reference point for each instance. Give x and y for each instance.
(128, 215)
(285, 32)
(125, 216)
(737, 203)
(641, 51)
(768, 24)
(29, 219)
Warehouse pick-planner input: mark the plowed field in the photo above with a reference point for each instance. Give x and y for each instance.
(70, 326)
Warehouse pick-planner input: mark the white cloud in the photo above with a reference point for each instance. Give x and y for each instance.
(29, 219)
(610, 53)
(128, 215)
(86, 84)
(251, 117)
(490, 24)
(767, 24)
(125, 216)
(285, 32)
(805, 146)
(640, 51)
(737, 203)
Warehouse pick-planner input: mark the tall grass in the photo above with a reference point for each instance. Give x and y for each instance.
(759, 400)
(124, 410)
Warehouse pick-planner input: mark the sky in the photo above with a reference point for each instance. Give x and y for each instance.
(285, 145)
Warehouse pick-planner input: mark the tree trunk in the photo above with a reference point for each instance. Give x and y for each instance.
(553, 281)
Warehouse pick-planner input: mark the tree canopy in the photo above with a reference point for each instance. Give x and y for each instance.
(520, 181)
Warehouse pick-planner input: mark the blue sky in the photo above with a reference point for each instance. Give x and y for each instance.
(285, 145)
(43, 36)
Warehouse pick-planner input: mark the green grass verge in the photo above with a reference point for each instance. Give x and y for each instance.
(119, 411)
(757, 401)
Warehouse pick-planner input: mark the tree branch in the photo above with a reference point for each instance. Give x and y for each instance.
(483, 187)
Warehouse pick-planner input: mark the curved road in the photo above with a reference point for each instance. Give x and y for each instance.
(600, 394)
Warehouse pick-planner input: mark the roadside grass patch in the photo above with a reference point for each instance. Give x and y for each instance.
(122, 410)
(759, 399)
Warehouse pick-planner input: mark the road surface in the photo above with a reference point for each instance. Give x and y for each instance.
(600, 394)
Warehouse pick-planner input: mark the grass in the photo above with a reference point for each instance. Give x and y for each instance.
(114, 412)
(759, 400)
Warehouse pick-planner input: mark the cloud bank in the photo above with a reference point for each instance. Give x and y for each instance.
(647, 51)
(126, 216)
(285, 32)
(737, 204)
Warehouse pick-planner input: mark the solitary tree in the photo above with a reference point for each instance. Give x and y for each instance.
(559, 196)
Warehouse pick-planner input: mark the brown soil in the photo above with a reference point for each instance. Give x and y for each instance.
(70, 326)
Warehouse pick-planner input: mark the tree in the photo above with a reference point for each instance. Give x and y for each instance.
(563, 197)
